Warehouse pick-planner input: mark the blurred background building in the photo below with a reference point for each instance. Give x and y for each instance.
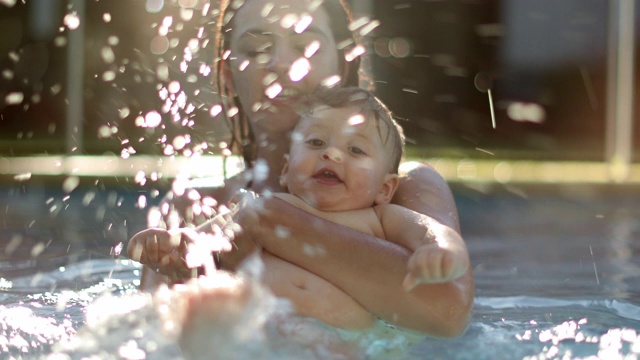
(506, 84)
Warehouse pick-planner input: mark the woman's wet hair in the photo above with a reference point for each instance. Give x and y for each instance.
(242, 138)
(371, 108)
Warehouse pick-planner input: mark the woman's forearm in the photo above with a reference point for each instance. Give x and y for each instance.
(369, 269)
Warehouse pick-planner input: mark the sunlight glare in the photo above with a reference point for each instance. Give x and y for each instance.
(303, 23)
(311, 49)
(299, 69)
(353, 54)
(273, 90)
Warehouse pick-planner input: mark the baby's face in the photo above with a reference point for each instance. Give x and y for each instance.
(338, 160)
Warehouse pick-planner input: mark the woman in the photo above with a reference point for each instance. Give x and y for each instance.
(271, 57)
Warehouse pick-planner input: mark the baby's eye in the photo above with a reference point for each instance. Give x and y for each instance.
(315, 142)
(356, 150)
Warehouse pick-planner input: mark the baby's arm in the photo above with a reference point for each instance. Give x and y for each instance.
(312, 296)
(439, 255)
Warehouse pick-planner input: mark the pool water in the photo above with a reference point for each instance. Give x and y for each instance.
(557, 276)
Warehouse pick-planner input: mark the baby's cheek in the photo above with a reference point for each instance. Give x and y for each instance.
(367, 166)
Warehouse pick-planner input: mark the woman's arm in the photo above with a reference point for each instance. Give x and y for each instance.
(369, 269)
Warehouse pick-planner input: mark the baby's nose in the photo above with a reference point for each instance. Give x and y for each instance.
(332, 153)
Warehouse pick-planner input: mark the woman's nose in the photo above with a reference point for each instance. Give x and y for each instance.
(282, 57)
(333, 154)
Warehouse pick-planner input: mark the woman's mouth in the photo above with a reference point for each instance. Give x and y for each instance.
(276, 92)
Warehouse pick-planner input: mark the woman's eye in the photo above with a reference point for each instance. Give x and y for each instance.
(254, 49)
(257, 52)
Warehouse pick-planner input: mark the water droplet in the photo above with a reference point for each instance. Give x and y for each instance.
(215, 110)
(88, 198)
(14, 98)
(261, 170)
(8, 3)
(140, 178)
(369, 27)
(331, 81)
(113, 40)
(106, 17)
(55, 89)
(269, 78)
(303, 23)
(266, 9)
(168, 150)
(37, 249)
(273, 90)
(243, 65)
(142, 202)
(299, 69)
(162, 72)
(356, 119)
(354, 53)
(288, 20)
(311, 49)
(13, 244)
(72, 21)
(107, 55)
(154, 6)
(123, 112)
(152, 119)
(22, 177)
(108, 76)
(174, 87)
(13, 56)
(60, 41)
(159, 45)
(179, 142)
(234, 110)
(8, 74)
(69, 184)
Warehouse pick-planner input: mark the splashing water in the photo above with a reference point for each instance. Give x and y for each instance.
(299, 69)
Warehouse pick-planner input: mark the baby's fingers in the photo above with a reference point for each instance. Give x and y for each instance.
(148, 246)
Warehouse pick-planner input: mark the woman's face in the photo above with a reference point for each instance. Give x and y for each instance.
(281, 50)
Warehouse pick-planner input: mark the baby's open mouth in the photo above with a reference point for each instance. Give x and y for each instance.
(327, 176)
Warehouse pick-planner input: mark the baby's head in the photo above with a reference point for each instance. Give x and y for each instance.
(345, 151)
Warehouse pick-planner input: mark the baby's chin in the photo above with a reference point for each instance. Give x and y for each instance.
(334, 205)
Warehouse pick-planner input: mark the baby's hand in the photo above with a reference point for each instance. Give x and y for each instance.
(431, 264)
(160, 250)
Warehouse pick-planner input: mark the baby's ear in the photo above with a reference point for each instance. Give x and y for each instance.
(388, 188)
(285, 171)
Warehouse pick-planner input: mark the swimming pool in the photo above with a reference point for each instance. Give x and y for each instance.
(556, 267)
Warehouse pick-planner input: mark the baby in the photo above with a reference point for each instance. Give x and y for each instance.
(342, 166)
